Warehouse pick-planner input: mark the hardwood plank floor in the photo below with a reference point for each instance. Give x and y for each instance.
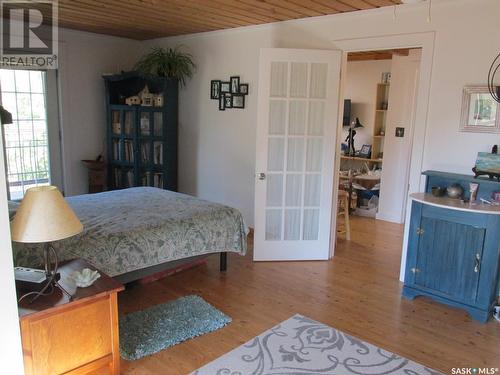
(357, 292)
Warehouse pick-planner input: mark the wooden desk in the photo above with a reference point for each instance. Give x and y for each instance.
(80, 336)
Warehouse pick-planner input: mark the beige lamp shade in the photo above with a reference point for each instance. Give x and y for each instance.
(44, 216)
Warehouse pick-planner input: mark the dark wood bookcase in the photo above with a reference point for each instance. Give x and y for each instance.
(141, 140)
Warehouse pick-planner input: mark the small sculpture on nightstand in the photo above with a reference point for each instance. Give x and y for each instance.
(85, 277)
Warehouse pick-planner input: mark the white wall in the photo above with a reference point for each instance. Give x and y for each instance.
(10, 339)
(361, 87)
(217, 149)
(83, 58)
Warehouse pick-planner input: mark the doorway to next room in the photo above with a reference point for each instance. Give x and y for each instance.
(376, 138)
(377, 130)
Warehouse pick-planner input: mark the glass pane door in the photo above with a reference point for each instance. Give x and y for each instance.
(295, 150)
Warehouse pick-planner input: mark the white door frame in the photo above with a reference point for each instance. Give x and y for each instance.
(415, 40)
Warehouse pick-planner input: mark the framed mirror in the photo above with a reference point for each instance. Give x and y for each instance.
(480, 112)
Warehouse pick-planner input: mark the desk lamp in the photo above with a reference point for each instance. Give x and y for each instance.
(44, 216)
(351, 151)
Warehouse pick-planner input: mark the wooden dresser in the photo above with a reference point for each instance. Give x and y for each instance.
(72, 337)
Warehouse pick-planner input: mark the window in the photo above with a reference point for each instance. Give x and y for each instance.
(23, 93)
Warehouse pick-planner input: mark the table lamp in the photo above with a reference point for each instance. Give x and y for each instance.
(43, 217)
(351, 151)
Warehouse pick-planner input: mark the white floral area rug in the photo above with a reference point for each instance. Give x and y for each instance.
(301, 346)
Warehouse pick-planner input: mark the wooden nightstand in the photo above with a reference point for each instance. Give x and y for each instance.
(80, 336)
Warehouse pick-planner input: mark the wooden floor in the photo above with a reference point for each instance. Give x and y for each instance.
(357, 292)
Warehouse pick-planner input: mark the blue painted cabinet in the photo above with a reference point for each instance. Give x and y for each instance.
(141, 140)
(453, 257)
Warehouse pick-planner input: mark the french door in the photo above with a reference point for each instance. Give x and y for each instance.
(296, 135)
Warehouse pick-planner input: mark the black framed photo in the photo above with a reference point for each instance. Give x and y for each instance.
(228, 101)
(225, 87)
(244, 88)
(235, 84)
(214, 89)
(222, 107)
(365, 151)
(238, 101)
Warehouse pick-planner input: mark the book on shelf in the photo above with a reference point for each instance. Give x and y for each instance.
(145, 130)
(116, 150)
(128, 128)
(145, 152)
(116, 128)
(158, 152)
(146, 179)
(130, 179)
(117, 177)
(158, 180)
(129, 151)
(158, 124)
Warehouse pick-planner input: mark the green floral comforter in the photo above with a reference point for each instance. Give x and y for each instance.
(135, 228)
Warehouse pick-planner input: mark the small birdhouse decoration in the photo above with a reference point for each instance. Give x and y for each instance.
(158, 100)
(133, 100)
(146, 97)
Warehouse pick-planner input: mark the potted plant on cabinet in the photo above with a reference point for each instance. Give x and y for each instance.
(168, 63)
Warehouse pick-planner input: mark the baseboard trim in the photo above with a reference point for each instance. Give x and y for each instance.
(388, 217)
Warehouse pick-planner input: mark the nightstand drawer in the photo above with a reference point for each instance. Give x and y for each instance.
(71, 338)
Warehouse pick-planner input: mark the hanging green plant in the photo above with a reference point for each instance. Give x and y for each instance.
(168, 63)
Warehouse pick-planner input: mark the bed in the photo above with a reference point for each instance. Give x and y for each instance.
(135, 232)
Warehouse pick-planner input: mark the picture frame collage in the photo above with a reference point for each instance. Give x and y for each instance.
(230, 94)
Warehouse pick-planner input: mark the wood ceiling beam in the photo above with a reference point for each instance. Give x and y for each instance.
(377, 55)
(401, 51)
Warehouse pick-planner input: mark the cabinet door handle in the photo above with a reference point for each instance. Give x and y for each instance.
(478, 262)
(414, 270)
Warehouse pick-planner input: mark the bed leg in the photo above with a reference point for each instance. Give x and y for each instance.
(223, 262)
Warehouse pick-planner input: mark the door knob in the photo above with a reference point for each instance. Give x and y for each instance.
(262, 176)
